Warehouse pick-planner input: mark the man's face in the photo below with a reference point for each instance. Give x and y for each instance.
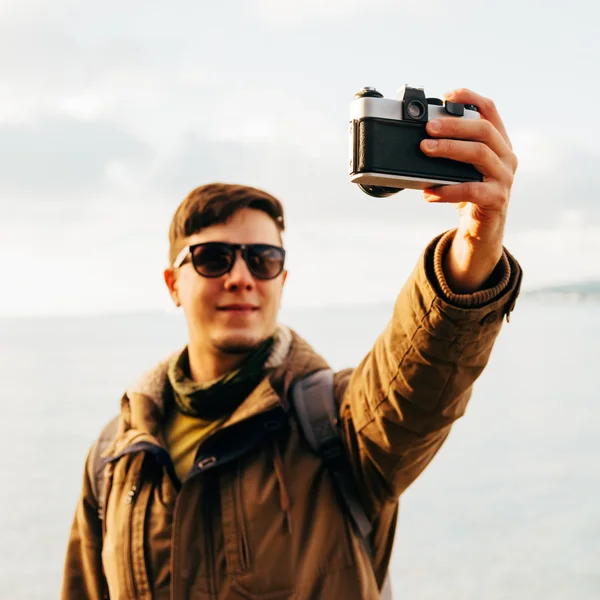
(232, 313)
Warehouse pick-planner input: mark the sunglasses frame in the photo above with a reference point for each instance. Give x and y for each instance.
(188, 251)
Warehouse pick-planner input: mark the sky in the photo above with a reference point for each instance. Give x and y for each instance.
(110, 113)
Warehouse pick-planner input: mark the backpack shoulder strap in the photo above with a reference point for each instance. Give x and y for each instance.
(317, 412)
(96, 463)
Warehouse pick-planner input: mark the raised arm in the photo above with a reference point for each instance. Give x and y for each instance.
(401, 401)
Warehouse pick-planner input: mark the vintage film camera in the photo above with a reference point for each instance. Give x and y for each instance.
(385, 134)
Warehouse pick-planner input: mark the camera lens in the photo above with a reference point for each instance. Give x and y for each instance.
(378, 191)
(415, 109)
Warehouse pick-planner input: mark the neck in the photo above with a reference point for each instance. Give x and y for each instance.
(207, 366)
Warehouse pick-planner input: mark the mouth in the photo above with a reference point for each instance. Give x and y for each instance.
(238, 308)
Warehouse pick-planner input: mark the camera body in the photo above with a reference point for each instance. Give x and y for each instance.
(385, 137)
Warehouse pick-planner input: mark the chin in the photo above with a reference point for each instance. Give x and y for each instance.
(238, 342)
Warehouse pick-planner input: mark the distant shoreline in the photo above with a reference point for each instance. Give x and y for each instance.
(538, 298)
(581, 292)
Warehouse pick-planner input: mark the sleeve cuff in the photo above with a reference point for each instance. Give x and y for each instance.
(493, 288)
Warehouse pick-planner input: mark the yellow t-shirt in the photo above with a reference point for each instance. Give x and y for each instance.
(182, 435)
(199, 408)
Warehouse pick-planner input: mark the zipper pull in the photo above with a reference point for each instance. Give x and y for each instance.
(131, 494)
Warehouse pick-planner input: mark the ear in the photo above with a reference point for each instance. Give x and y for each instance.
(283, 277)
(170, 276)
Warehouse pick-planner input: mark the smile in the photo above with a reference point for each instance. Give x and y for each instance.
(238, 308)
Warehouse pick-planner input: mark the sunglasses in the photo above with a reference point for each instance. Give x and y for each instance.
(213, 259)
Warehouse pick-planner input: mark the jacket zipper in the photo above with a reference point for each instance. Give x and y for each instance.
(163, 458)
(210, 559)
(244, 548)
(174, 550)
(129, 576)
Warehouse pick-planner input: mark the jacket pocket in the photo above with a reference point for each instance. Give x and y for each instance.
(235, 538)
(258, 543)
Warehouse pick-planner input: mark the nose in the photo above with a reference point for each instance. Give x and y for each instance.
(239, 277)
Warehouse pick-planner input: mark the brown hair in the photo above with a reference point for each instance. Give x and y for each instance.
(216, 203)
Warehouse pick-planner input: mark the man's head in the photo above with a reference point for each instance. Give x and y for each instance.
(227, 313)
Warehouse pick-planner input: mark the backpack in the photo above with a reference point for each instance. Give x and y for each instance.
(316, 411)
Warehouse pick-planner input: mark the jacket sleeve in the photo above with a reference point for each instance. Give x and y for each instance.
(400, 402)
(83, 578)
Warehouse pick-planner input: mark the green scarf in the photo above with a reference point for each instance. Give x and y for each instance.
(213, 399)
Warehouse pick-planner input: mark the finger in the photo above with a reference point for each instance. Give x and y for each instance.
(477, 130)
(475, 153)
(487, 108)
(485, 195)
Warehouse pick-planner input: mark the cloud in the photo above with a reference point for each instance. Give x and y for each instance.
(554, 184)
(558, 176)
(288, 11)
(312, 189)
(155, 103)
(61, 157)
(285, 12)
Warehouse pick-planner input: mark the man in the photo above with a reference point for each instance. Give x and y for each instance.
(210, 489)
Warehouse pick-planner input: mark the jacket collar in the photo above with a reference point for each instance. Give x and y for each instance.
(143, 406)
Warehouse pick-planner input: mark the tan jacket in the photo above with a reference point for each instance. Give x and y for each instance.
(258, 517)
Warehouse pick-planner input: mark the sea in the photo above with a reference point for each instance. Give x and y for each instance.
(508, 509)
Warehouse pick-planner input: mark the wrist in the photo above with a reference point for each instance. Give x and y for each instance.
(468, 263)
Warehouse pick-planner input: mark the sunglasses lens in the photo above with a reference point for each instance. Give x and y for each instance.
(265, 262)
(212, 260)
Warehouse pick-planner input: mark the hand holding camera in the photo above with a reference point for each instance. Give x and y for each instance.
(456, 150)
